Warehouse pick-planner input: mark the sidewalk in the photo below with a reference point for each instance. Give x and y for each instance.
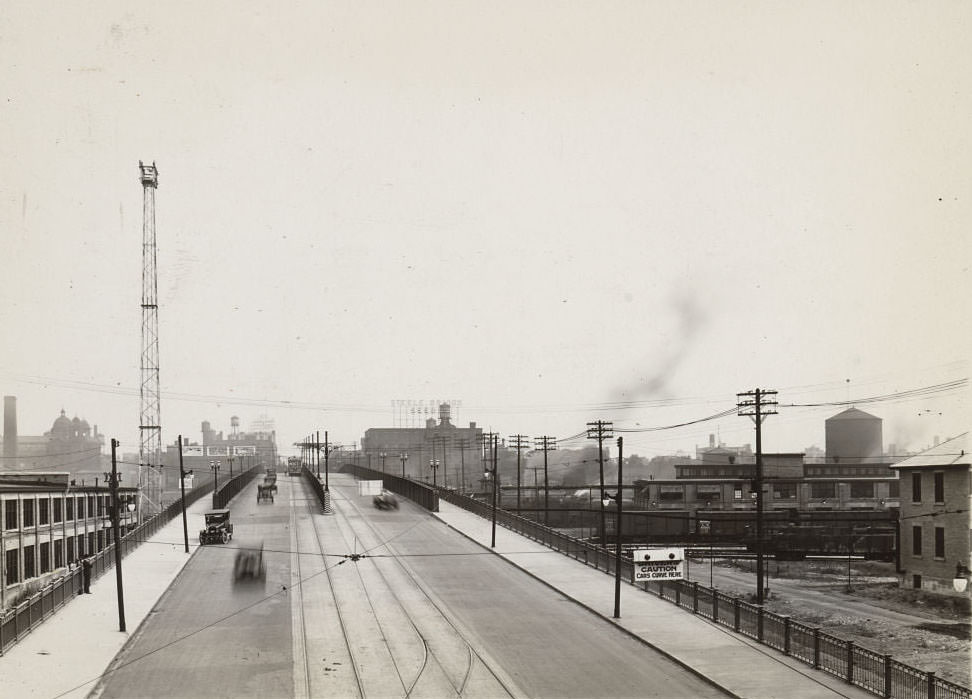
(731, 661)
(64, 656)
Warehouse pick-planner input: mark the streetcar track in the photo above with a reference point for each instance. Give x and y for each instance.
(471, 653)
(355, 664)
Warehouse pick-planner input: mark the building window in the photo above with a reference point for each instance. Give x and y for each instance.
(92, 541)
(69, 549)
(81, 508)
(823, 490)
(45, 557)
(28, 522)
(894, 489)
(69, 509)
(58, 554)
(57, 510)
(708, 493)
(737, 493)
(91, 506)
(916, 582)
(861, 490)
(12, 576)
(939, 542)
(916, 541)
(671, 492)
(43, 512)
(30, 570)
(939, 487)
(915, 487)
(10, 514)
(784, 491)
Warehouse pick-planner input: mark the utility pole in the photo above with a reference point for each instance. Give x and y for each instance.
(617, 547)
(547, 444)
(536, 489)
(518, 442)
(182, 486)
(493, 441)
(463, 444)
(115, 516)
(326, 452)
(600, 430)
(755, 404)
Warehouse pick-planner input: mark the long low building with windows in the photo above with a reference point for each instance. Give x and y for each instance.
(49, 523)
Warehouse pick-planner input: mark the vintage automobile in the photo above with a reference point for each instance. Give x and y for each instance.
(219, 529)
(270, 480)
(385, 500)
(249, 565)
(265, 492)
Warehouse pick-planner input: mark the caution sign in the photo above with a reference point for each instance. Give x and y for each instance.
(659, 564)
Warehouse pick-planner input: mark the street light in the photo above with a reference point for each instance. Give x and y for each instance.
(961, 580)
(434, 465)
(382, 456)
(214, 465)
(404, 457)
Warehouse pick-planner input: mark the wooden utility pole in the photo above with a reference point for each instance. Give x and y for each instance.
(754, 404)
(600, 430)
(546, 443)
(518, 442)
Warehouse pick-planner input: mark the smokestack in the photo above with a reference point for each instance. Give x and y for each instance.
(10, 427)
(711, 440)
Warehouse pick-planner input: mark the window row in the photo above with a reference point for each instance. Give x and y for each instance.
(779, 491)
(917, 533)
(31, 512)
(938, 483)
(47, 556)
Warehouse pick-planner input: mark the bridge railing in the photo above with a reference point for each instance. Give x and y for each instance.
(421, 494)
(876, 672)
(17, 622)
(232, 487)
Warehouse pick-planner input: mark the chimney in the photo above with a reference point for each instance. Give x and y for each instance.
(10, 427)
(711, 440)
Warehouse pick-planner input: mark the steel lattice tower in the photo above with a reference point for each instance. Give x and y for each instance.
(150, 425)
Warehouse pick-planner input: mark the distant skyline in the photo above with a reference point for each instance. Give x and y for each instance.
(553, 212)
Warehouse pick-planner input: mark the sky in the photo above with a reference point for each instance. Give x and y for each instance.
(553, 212)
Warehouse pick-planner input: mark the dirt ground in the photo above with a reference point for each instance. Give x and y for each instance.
(939, 641)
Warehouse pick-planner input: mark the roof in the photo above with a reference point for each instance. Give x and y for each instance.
(218, 512)
(852, 414)
(951, 452)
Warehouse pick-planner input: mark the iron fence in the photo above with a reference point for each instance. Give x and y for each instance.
(875, 672)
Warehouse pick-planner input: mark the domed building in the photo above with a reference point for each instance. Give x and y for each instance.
(71, 445)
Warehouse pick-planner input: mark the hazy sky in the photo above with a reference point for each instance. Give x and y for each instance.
(552, 211)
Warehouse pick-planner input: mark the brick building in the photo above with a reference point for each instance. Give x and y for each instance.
(935, 491)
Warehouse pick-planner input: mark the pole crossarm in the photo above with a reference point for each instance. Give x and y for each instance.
(756, 405)
(601, 430)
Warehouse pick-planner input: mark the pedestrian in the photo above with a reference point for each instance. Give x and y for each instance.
(86, 575)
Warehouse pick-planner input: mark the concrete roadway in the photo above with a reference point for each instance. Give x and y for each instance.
(423, 612)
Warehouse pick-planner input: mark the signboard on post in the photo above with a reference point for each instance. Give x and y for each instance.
(659, 564)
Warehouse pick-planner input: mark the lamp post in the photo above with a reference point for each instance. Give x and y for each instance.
(214, 465)
(961, 580)
(493, 475)
(382, 456)
(404, 457)
(434, 465)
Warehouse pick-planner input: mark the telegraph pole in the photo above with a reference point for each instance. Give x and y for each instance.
(326, 452)
(115, 516)
(518, 442)
(617, 546)
(546, 443)
(600, 430)
(463, 444)
(182, 485)
(495, 438)
(755, 404)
